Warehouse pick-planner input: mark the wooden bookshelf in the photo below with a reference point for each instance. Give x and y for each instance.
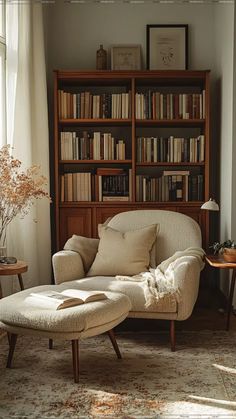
(80, 216)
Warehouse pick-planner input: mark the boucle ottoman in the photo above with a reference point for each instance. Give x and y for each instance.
(19, 316)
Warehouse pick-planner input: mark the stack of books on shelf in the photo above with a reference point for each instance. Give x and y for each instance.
(113, 184)
(85, 105)
(171, 186)
(172, 149)
(157, 105)
(98, 146)
(76, 187)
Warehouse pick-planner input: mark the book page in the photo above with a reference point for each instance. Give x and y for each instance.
(85, 295)
(52, 295)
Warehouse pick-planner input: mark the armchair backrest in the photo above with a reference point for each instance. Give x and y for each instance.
(177, 231)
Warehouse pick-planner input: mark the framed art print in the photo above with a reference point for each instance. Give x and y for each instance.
(167, 47)
(126, 57)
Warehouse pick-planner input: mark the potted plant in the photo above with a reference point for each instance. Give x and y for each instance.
(227, 248)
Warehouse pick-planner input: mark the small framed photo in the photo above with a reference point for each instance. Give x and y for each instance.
(126, 57)
(167, 47)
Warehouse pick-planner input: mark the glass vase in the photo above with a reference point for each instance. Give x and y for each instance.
(3, 244)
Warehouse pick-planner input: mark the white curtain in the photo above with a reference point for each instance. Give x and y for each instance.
(27, 132)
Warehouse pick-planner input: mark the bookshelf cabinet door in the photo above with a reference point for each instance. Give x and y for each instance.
(75, 221)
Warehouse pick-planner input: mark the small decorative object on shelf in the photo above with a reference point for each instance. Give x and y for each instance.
(18, 189)
(227, 248)
(126, 57)
(101, 61)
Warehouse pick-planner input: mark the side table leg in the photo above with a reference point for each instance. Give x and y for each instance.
(21, 282)
(231, 294)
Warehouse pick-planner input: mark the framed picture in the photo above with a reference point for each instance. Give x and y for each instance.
(167, 47)
(126, 57)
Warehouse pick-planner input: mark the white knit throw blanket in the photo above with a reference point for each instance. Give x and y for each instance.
(164, 279)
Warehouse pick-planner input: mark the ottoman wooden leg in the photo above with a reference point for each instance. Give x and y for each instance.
(75, 358)
(114, 343)
(12, 344)
(50, 344)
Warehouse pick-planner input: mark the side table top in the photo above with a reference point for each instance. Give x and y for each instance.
(217, 261)
(14, 269)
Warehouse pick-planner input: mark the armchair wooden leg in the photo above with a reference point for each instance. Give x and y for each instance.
(114, 343)
(172, 335)
(12, 343)
(75, 358)
(50, 344)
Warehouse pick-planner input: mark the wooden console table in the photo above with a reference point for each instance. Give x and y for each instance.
(17, 268)
(217, 261)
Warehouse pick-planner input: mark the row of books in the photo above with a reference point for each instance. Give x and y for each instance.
(171, 149)
(116, 185)
(171, 186)
(85, 105)
(113, 184)
(99, 146)
(156, 105)
(76, 187)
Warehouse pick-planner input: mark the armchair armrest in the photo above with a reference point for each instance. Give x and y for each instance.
(67, 266)
(188, 285)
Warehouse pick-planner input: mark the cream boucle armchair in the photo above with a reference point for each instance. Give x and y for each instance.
(176, 232)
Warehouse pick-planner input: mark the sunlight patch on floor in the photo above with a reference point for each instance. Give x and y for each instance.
(214, 401)
(226, 369)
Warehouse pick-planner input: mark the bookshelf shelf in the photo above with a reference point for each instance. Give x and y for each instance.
(133, 204)
(127, 140)
(171, 122)
(96, 122)
(95, 162)
(182, 164)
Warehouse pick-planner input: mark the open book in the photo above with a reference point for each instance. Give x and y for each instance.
(67, 298)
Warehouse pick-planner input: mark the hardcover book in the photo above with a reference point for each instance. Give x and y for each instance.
(68, 298)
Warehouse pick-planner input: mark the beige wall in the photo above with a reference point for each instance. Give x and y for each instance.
(224, 58)
(75, 31)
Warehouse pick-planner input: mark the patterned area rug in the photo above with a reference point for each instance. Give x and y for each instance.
(198, 380)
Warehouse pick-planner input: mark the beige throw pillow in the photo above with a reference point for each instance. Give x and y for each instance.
(86, 247)
(123, 253)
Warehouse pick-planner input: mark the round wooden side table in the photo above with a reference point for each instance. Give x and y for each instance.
(17, 268)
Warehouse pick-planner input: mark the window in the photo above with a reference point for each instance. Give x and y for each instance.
(2, 74)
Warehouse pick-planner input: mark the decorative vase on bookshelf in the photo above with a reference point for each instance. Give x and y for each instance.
(101, 61)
